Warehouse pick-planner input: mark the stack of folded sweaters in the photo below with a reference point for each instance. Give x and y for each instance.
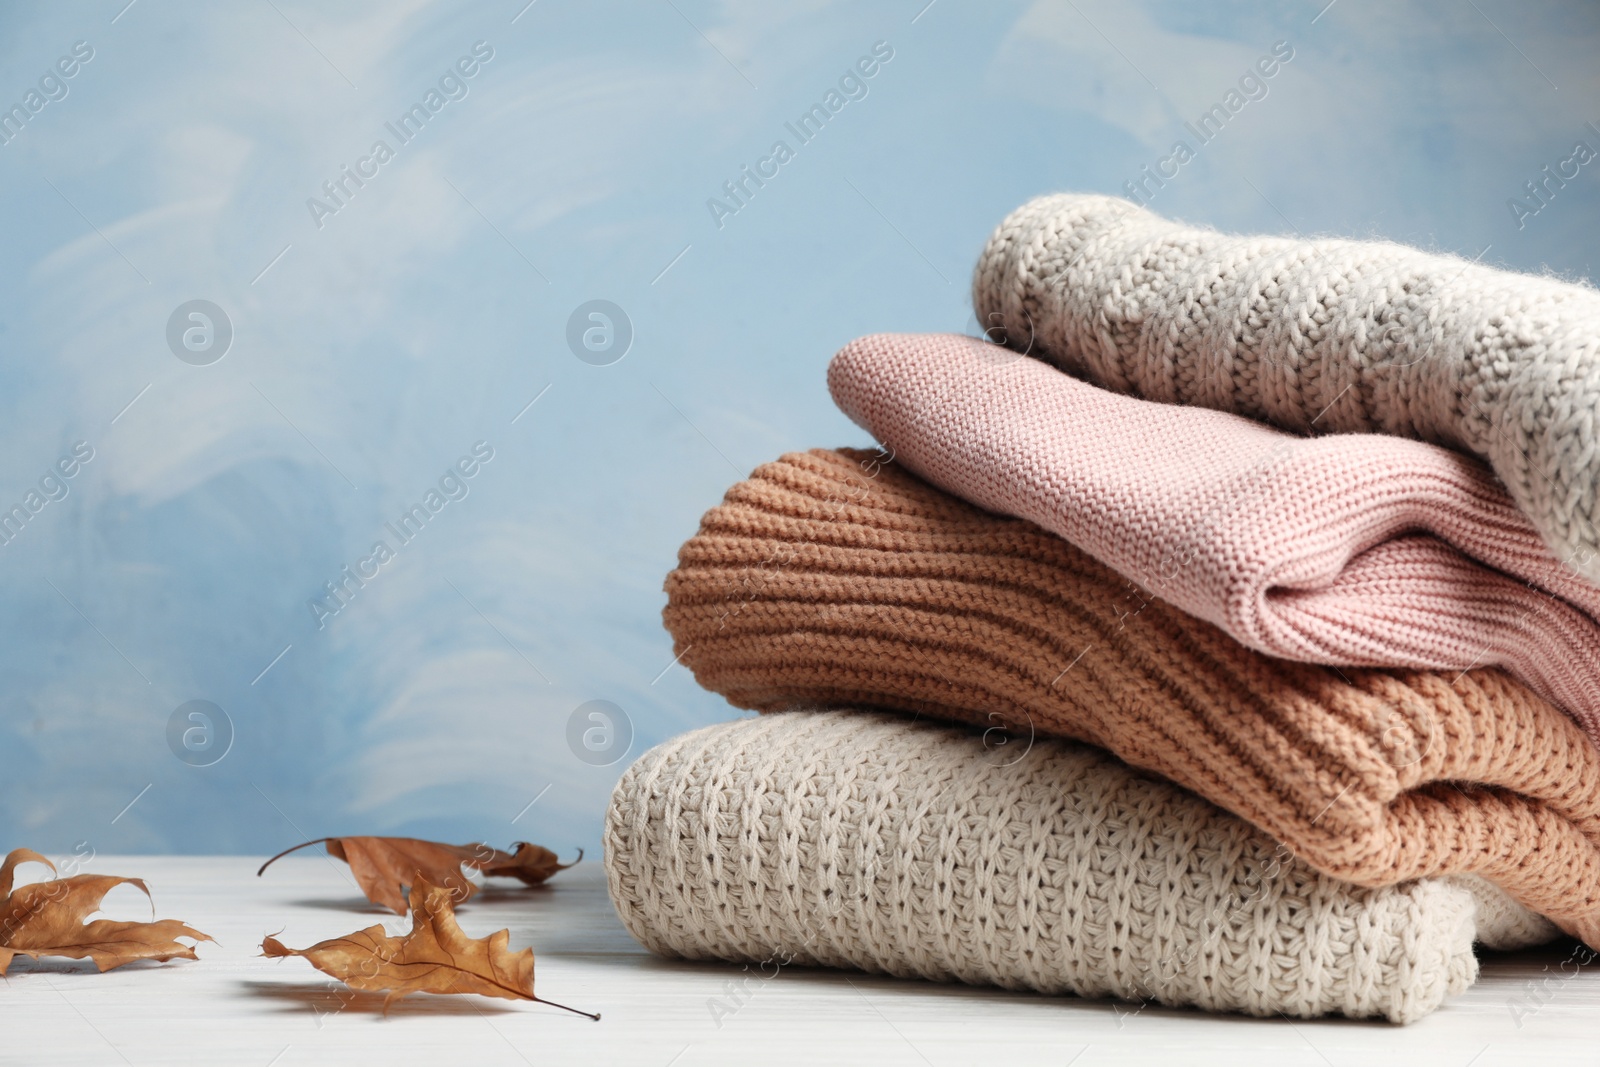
(1219, 630)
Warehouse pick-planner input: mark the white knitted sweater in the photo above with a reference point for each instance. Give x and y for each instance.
(853, 839)
(1329, 336)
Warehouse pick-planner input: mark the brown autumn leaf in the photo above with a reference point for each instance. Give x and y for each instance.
(435, 957)
(387, 866)
(532, 864)
(47, 919)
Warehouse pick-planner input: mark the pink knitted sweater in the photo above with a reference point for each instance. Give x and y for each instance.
(1349, 550)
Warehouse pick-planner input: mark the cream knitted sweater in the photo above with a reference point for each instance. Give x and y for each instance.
(1325, 336)
(852, 839)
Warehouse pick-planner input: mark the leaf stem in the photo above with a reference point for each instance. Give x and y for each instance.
(591, 1014)
(296, 848)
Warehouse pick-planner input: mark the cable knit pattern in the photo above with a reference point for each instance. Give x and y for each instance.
(1326, 335)
(835, 578)
(1352, 549)
(849, 839)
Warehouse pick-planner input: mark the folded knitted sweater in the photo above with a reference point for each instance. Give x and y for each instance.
(837, 578)
(1352, 550)
(1326, 335)
(848, 839)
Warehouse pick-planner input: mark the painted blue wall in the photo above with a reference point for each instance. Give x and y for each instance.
(376, 344)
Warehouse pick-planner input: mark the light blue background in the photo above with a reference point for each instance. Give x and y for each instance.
(425, 314)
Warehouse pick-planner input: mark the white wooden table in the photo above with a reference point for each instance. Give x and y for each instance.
(234, 1007)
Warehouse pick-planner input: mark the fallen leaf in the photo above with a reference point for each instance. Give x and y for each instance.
(435, 957)
(47, 919)
(530, 863)
(387, 866)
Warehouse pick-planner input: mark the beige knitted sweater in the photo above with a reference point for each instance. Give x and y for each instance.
(1324, 336)
(851, 839)
(833, 578)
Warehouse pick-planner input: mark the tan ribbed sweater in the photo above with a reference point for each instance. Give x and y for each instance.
(836, 578)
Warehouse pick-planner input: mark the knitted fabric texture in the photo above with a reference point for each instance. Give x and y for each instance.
(837, 578)
(1353, 549)
(1326, 335)
(848, 839)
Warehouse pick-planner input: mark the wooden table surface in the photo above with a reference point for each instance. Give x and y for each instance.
(235, 1007)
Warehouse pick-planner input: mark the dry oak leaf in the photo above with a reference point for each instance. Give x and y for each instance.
(435, 957)
(47, 919)
(386, 866)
